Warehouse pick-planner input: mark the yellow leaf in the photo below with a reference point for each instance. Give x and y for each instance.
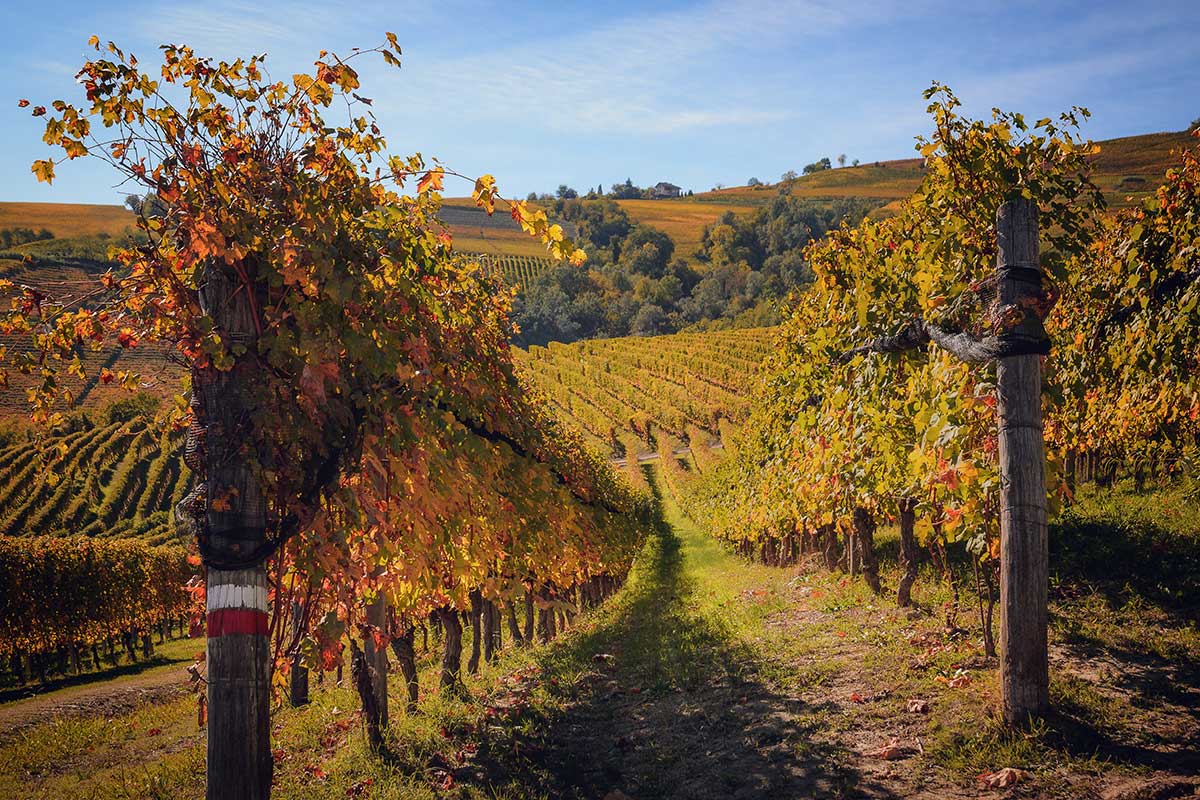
(44, 171)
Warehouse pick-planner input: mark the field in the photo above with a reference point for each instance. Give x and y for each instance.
(110, 478)
(67, 219)
(706, 677)
(684, 220)
(625, 394)
(1124, 169)
(1129, 167)
(770, 566)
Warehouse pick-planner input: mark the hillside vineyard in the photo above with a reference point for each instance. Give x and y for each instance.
(908, 508)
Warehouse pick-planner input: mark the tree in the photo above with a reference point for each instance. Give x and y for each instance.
(841, 159)
(790, 175)
(566, 192)
(649, 320)
(277, 247)
(754, 182)
(133, 202)
(817, 166)
(625, 191)
(854, 163)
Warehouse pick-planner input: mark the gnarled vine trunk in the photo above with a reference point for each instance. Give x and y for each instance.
(476, 630)
(298, 675)
(908, 551)
(514, 630)
(452, 650)
(864, 535)
(377, 619)
(828, 535)
(364, 684)
(406, 657)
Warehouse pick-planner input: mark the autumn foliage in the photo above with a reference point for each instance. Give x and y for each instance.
(397, 450)
(76, 591)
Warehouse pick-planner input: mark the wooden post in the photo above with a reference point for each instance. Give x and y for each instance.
(1024, 671)
(239, 691)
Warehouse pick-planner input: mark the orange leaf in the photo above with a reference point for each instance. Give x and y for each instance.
(891, 751)
(1002, 778)
(431, 181)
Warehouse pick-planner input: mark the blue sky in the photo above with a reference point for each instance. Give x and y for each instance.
(697, 93)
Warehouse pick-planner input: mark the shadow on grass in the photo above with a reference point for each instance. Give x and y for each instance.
(661, 700)
(1128, 555)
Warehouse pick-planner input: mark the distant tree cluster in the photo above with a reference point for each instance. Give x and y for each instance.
(12, 237)
(618, 191)
(633, 283)
(818, 166)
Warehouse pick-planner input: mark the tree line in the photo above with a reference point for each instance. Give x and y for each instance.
(636, 284)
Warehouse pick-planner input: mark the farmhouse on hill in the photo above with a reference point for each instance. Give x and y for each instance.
(664, 189)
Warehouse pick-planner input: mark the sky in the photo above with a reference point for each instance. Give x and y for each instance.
(587, 93)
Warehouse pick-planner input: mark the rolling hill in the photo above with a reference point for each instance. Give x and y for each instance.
(1126, 169)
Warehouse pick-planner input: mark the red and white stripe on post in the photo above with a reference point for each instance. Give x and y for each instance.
(237, 602)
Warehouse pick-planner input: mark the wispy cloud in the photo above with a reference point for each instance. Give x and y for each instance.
(647, 73)
(227, 28)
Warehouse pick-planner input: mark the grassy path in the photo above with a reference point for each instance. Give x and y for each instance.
(680, 702)
(106, 692)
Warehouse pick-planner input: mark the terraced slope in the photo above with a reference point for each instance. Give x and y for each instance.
(646, 394)
(110, 479)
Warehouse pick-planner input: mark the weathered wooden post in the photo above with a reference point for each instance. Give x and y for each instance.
(234, 520)
(1024, 671)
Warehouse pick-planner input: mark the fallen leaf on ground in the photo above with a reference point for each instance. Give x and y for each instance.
(956, 681)
(892, 751)
(855, 697)
(917, 706)
(1002, 778)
